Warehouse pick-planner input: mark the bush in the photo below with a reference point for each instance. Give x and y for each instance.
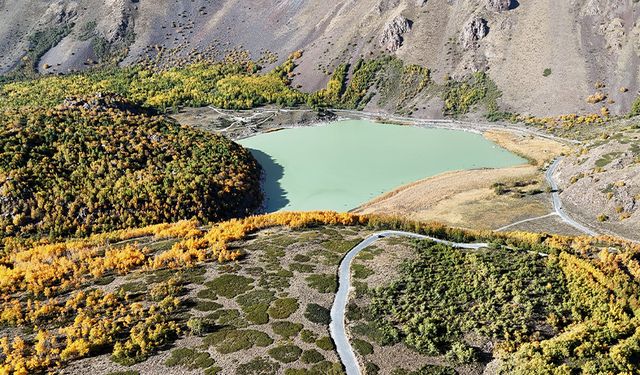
(258, 366)
(362, 347)
(635, 108)
(230, 340)
(325, 343)
(230, 285)
(199, 326)
(460, 353)
(283, 308)
(323, 283)
(311, 356)
(286, 329)
(546, 72)
(317, 314)
(189, 358)
(285, 353)
(308, 336)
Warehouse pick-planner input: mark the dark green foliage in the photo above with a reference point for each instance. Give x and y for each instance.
(258, 366)
(308, 336)
(283, 308)
(255, 304)
(231, 340)
(286, 329)
(311, 356)
(445, 293)
(101, 164)
(325, 343)
(317, 314)
(302, 267)
(371, 368)
(362, 347)
(302, 258)
(285, 353)
(228, 317)
(189, 358)
(426, 370)
(230, 285)
(361, 271)
(204, 305)
(546, 72)
(635, 108)
(323, 283)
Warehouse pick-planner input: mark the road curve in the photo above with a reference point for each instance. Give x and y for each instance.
(338, 309)
(557, 203)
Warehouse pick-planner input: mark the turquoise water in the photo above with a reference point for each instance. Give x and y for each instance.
(344, 164)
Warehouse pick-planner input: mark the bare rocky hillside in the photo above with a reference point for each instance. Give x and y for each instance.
(601, 183)
(585, 46)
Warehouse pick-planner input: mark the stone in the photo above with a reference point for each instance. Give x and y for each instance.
(499, 5)
(474, 30)
(392, 35)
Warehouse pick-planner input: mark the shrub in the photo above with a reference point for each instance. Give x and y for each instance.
(308, 336)
(258, 366)
(325, 343)
(460, 353)
(362, 347)
(199, 326)
(190, 358)
(283, 308)
(546, 72)
(311, 356)
(285, 353)
(317, 314)
(230, 285)
(286, 329)
(323, 283)
(230, 340)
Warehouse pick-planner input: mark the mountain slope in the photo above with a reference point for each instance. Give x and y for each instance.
(582, 43)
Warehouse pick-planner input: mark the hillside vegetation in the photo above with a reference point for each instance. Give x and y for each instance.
(100, 163)
(580, 315)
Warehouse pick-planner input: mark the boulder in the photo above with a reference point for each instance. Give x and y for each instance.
(474, 30)
(392, 35)
(499, 5)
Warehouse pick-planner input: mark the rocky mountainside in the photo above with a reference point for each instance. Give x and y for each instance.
(601, 183)
(546, 56)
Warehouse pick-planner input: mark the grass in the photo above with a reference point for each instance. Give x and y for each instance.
(285, 353)
(189, 358)
(317, 314)
(323, 283)
(283, 308)
(231, 340)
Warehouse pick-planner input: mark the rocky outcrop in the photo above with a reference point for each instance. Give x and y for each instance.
(392, 35)
(386, 5)
(499, 5)
(474, 30)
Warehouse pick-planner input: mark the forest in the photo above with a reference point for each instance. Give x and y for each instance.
(100, 163)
